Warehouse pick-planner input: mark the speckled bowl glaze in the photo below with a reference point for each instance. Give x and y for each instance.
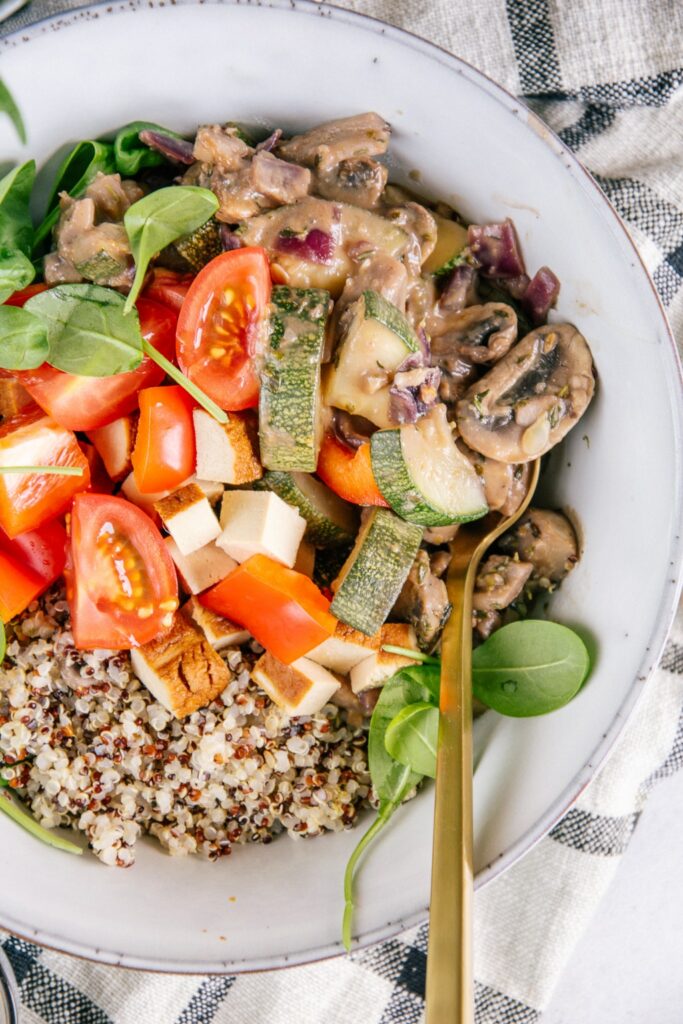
(468, 142)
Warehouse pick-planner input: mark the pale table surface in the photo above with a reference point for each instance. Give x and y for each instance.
(628, 968)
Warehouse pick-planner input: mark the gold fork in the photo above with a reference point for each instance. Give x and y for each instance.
(450, 990)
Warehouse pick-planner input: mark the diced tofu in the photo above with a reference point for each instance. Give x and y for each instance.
(226, 452)
(131, 491)
(260, 523)
(218, 631)
(189, 518)
(345, 649)
(181, 669)
(380, 666)
(305, 559)
(301, 688)
(212, 489)
(114, 444)
(201, 568)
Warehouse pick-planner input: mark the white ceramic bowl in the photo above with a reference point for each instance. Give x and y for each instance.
(294, 64)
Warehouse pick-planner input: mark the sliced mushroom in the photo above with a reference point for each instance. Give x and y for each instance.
(457, 372)
(423, 602)
(530, 399)
(505, 483)
(439, 562)
(440, 534)
(359, 181)
(499, 582)
(485, 623)
(420, 226)
(345, 698)
(547, 540)
(484, 333)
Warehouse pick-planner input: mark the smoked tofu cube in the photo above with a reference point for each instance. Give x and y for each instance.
(131, 491)
(201, 568)
(189, 518)
(218, 631)
(260, 523)
(301, 688)
(114, 445)
(226, 452)
(380, 666)
(212, 489)
(305, 559)
(344, 649)
(181, 669)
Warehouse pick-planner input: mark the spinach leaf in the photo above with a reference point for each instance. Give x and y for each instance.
(18, 814)
(391, 781)
(412, 737)
(8, 105)
(131, 155)
(16, 227)
(23, 338)
(87, 330)
(160, 218)
(529, 668)
(78, 169)
(16, 271)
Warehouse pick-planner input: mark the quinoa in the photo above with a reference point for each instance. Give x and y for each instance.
(86, 746)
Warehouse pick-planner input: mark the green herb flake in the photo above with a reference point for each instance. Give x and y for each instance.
(477, 402)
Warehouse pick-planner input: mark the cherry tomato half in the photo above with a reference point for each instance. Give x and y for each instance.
(121, 583)
(86, 403)
(221, 327)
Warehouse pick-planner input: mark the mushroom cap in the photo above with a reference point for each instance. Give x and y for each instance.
(546, 539)
(531, 398)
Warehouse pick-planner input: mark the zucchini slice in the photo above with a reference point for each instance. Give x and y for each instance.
(424, 476)
(372, 576)
(376, 339)
(330, 520)
(290, 406)
(451, 239)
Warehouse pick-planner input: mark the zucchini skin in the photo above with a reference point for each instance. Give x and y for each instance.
(320, 530)
(384, 312)
(396, 486)
(290, 401)
(379, 569)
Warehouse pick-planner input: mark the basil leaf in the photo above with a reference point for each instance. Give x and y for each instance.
(8, 105)
(16, 227)
(77, 170)
(131, 155)
(529, 668)
(16, 271)
(160, 218)
(391, 780)
(23, 338)
(88, 331)
(22, 817)
(412, 737)
(409, 686)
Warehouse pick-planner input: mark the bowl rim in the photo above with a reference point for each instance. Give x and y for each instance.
(672, 588)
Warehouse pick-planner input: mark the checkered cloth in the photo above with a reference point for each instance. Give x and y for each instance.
(608, 78)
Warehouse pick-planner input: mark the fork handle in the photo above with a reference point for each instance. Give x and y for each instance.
(450, 996)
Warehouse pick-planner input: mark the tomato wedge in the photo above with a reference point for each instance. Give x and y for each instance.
(349, 474)
(168, 287)
(281, 608)
(221, 327)
(86, 403)
(27, 500)
(22, 296)
(121, 584)
(164, 452)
